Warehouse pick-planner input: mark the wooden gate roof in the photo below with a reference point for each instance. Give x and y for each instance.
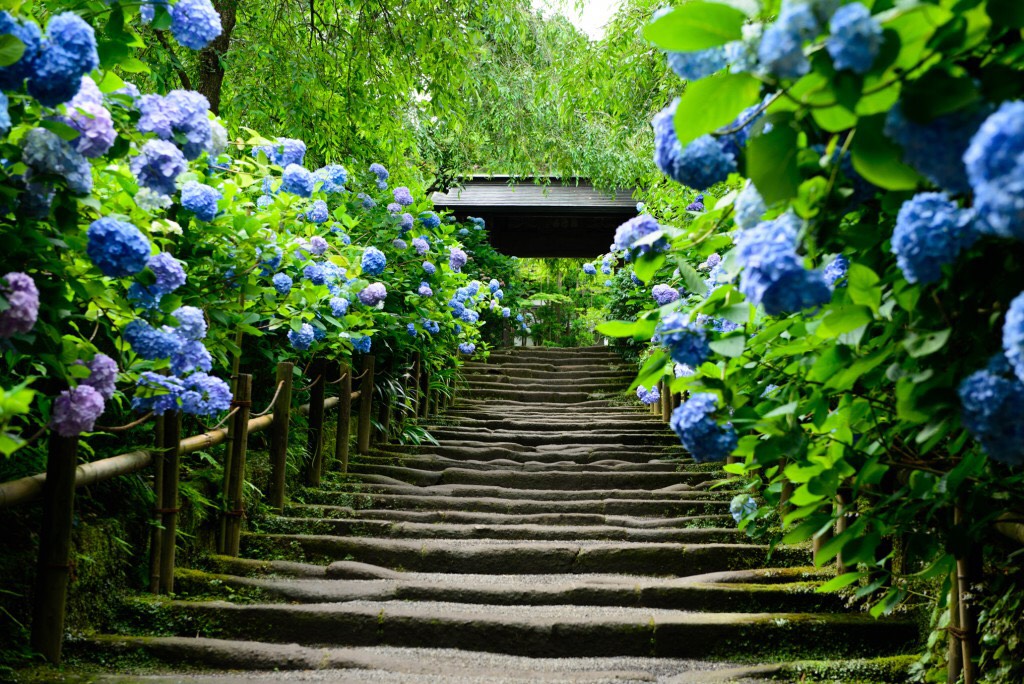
(528, 219)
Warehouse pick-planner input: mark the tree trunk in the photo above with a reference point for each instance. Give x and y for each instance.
(211, 58)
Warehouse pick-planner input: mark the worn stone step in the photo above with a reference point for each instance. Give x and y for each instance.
(412, 530)
(556, 365)
(586, 386)
(533, 437)
(438, 462)
(629, 507)
(582, 455)
(368, 488)
(473, 517)
(530, 590)
(547, 479)
(594, 398)
(488, 371)
(544, 631)
(496, 556)
(539, 424)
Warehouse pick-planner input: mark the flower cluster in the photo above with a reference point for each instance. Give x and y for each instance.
(931, 231)
(648, 397)
(22, 296)
(698, 430)
(686, 343)
(991, 406)
(664, 294)
(995, 170)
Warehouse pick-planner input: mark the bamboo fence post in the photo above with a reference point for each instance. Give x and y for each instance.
(344, 418)
(365, 405)
(424, 409)
(967, 571)
(156, 533)
(49, 605)
(171, 449)
(414, 404)
(315, 435)
(819, 541)
(954, 652)
(236, 478)
(279, 434)
(666, 401)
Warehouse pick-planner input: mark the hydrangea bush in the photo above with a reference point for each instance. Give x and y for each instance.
(851, 301)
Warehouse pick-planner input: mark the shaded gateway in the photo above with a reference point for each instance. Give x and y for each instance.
(561, 219)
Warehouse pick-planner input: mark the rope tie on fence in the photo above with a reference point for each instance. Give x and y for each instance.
(310, 385)
(359, 377)
(241, 402)
(127, 426)
(335, 382)
(223, 420)
(164, 511)
(237, 513)
(273, 401)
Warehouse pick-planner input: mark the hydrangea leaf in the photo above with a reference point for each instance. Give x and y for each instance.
(731, 347)
(923, 345)
(11, 49)
(1008, 13)
(714, 102)
(878, 160)
(696, 26)
(840, 582)
(640, 330)
(647, 265)
(694, 283)
(772, 164)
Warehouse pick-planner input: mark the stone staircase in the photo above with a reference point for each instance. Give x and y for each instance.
(552, 534)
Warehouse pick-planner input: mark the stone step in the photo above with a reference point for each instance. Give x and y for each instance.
(543, 631)
(411, 530)
(498, 557)
(583, 364)
(489, 371)
(481, 517)
(576, 385)
(628, 507)
(437, 462)
(533, 437)
(366, 489)
(518, 479)
(593, 398)
(584, 409)
(533, 590)
(539, 424)
(581, 455)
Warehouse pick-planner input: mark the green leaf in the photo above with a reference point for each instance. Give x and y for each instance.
(844, 319)
(834, 119)
(696, 26)
(647, 265)
(731, 347)
(879, 159)
(862, 284)
(772, 164)
(11, 49)
(923, 345)
(62, 129)
(694, 283)
(714, 102)
(134, 65)
(840, 582)
(640, 330)
(784, 410)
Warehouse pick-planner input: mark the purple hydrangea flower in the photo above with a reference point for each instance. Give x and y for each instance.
(1013, 336)
(157, 393)
(394, 208)
(663, 294)
(158, 166)
(190, 356)
(634, 229)
(191, 323)
(46, 153)
(686, 343)
(399, 244)
(991, 407)
(75, 411)
(406, 223)
(170, 275)
(67, 54)
(182, 113)
(379, 171)
(710, 263)
(117, 248)
(374, 261)
(697, 204)
(195, 23)
(373, 294)
(367, 201)
(856, 38)
(22, 304)
(149, 343)
(402, 196)
(200, 199)
(421, 245)
(698, 430)
(297, 181)
(456, 259)
(931, 231)
(317, 245)
(95, 127)
(102, 375)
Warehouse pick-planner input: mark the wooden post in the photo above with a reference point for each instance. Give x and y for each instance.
(279, 434)
(156, 533)
(414, 394)
(666, 401)
(49, 605)
(169, 507)
(677, 400)
(236, 478)
(968, 569)
(344, 418)
(424, 408)
(820, 540)
(315, 436)
(787, 489)
(842, 503)
(365, 405)
(954, 652)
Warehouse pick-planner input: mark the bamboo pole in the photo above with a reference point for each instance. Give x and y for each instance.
(315, 435)
(341, 439)
(968, 569)
(279, 434)
(50, 600)
(156, 531)
(424, 408)
(171, 449)
(954, 652)
(236, 478)
(666, 401)
(365, 405)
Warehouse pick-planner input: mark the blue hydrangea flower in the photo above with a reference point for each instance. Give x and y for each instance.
(456, 259)
(339, 306)
(836, 270)
(589, 269)
(22, 310)
(180, 113)
(749, 206)
(710, 263)
(402, 196)
(46, 153)
(430, 220)
(191, 355)
(432, 327)
(648, 397)
(742, 506)
(315, 274)
(469, 316)
(200, 199)
(635, 229)
(686, 343)
(505, 312)
(697, 204)
(425, 290)
(701, 164)
(297, 180)
(411, 329)
(332, 177)
(995, 169)
(264, 201)
(693, 66)
(936, 148)
(467, 348)
(856, 38)
(12, 77)
(429, 268)
(699, 432)
(282, 283)
(367, 201)
(148, 342)
(168, 271)
(773, 273)
(318, 213)
(406, 223)
(67, 54)
(158, 166)
(102, 375)
(318, 246)
(205, 395)
(374, 261)
(664, 294)
(991, 407)
(117, 248)
(93, 122)
(781, 48)
(382, 185)
(362, 344)
(5, 115)
(379, 171)
(373, 294)
(195, 23)
(499, 294)
(1013, 336)
(157, 393)
(931, 231)
(421, 245)
(606, 266)
(394, 208)
(286, 151)
(478, 222)
(399, 244)
(301, 339)
(191, 323)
